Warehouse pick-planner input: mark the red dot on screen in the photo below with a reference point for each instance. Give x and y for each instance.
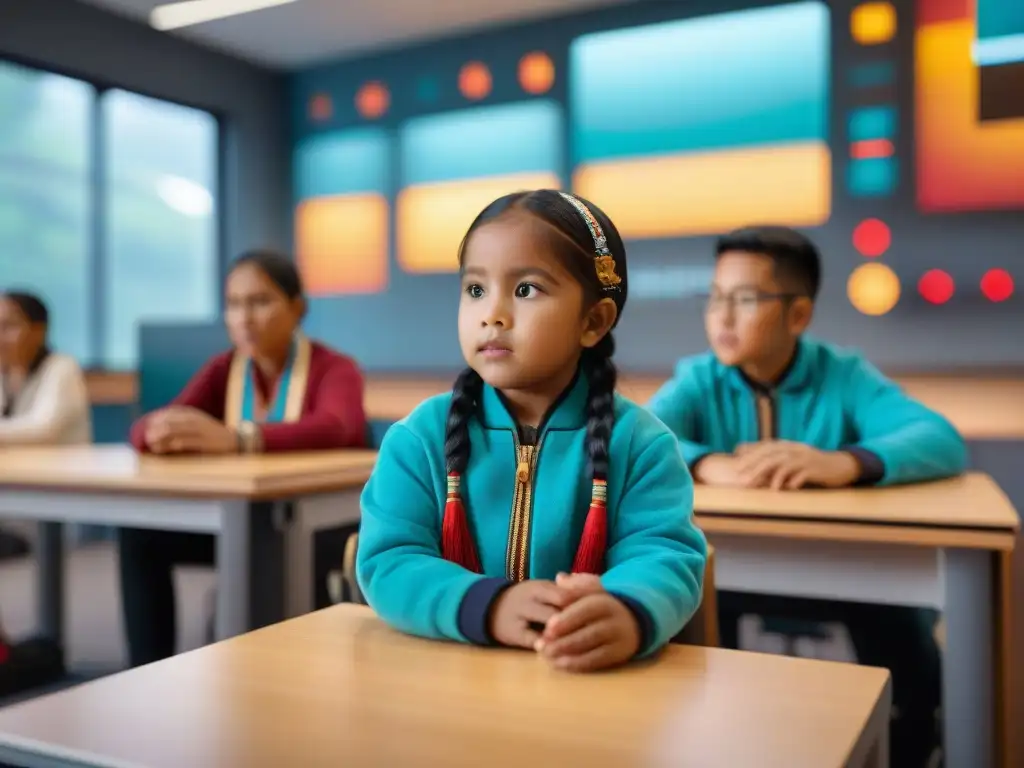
(872, 238)
(373, 100)
(997, 285)
(320, 107)
(936, 286)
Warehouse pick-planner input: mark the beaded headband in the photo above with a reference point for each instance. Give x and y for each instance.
(604, 262)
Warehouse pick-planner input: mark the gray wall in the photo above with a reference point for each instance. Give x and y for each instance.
(81, 41)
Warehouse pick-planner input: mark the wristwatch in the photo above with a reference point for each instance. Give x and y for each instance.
(249, 437)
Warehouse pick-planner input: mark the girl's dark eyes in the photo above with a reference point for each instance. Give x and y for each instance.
(523, 290)
(526, 290)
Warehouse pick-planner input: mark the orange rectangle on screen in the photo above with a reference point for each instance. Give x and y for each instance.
(341, 243)
(963, 164)
(711, 192)
(431, 219)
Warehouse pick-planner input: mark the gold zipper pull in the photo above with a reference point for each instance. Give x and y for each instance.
(523, 468)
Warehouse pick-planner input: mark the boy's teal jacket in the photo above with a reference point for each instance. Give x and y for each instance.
(655, 558)
(829, 398)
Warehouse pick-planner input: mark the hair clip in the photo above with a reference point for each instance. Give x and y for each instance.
(604, 262)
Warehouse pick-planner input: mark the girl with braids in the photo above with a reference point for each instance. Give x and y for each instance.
(533, 506)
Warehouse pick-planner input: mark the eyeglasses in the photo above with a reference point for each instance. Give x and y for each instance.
(743, 302)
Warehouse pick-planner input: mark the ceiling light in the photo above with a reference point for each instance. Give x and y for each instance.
(189, 12)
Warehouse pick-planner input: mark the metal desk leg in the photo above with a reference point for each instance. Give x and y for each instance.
(233, 570)
(967, 671)
(50, 581)
(312, 514)
(267, 524)
(299, 572)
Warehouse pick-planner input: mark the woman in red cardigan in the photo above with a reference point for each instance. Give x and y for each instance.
(275, 391)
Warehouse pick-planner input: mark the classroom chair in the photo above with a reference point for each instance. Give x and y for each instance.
(702, 629)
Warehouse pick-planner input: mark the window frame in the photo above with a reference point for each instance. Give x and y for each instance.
(97, 253)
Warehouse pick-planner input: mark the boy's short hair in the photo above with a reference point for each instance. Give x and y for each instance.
(794, 255)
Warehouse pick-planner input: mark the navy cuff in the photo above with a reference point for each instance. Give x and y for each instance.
(475, 610)
(872, 468)
(643, 619)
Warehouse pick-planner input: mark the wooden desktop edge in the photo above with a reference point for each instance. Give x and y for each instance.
(983, 406)
(17, 750)
(211, 488)
(929, 536)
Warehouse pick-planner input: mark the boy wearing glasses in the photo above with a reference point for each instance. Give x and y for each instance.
(771, 408)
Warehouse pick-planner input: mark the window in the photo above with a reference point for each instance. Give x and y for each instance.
(107, 210)
(159, 233)
(45, 197)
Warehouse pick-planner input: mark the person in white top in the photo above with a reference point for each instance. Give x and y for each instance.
(43, 397)
(43, 401)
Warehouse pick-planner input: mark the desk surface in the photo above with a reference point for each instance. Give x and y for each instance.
(337, 686)
(970, 501)
(119, 469)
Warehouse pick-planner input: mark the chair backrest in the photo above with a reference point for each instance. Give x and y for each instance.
(375, 431)
(348, 570)
(703, 627)
(171, 354)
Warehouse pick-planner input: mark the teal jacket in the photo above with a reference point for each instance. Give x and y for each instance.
(655, 558)
(829, 398)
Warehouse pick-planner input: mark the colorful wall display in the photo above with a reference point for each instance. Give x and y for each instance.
(892, 131)
(455, 163)
(686, 127)
(341, 217)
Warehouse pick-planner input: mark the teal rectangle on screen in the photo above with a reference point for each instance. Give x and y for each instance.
(483, 141)
(1000, 18)
(872, 177)
(344, 162)
(874, 74)
(868, 123)
(738, 79)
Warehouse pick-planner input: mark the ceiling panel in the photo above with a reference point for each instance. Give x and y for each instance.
(310, 31)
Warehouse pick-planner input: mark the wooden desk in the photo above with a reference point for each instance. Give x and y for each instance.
(112, 485)
(946, 545)
(119, 469)
(337, 687)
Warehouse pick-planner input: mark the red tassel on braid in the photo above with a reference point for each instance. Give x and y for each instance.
(456, 540)
(594, 542)
(5, 652)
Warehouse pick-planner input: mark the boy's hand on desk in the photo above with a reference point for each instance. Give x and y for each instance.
(521, 608)
(721, 469)
(783, 465)
(181, 429)
(596, 632)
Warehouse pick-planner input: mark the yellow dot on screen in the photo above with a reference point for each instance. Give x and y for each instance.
(873, 289)
(873, 23)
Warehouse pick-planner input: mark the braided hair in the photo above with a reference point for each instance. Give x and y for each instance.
(593, 252)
